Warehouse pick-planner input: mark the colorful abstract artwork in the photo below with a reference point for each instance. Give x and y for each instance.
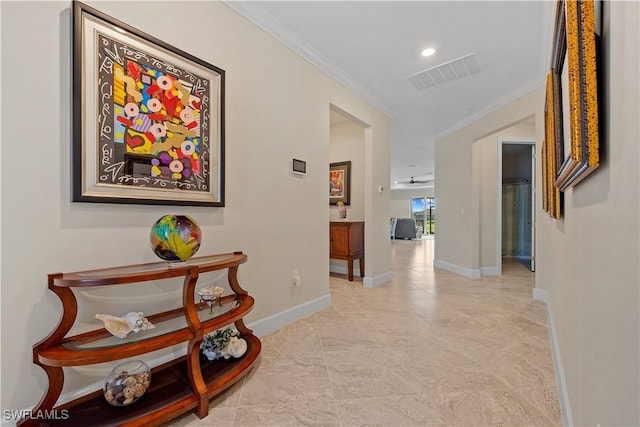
(150, 128)
(336, 183)
(340, 183)
(151, 121)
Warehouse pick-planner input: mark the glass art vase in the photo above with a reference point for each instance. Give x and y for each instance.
(175, 238)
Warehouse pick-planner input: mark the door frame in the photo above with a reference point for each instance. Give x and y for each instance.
(424, 212)
(521, 141)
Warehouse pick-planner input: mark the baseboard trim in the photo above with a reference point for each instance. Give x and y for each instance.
(372, 282)
(367, 282)
(276, 321)
(540, 295)
(489, 271)
(563, 396)
(343, 269)
(463, 271)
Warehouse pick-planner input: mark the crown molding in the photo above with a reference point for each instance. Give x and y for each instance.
(527, 87)
(277, 30)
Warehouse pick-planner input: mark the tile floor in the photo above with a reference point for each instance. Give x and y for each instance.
(430, 348)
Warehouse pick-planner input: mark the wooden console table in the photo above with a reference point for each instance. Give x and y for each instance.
(181, 385)
(346, 241)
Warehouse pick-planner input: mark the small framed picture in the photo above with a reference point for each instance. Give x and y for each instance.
(340, 183)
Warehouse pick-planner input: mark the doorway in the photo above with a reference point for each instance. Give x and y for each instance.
(418, 206)
(430, 226)
(347, 143)
(423, 211)
(516, 201)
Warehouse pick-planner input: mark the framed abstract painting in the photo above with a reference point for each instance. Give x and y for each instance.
(148, 118)
(340, 183)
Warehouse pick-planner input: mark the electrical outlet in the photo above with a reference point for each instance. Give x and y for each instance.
(297, 280)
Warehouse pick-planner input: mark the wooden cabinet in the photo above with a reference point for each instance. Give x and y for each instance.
(181, 385)
(346, 241)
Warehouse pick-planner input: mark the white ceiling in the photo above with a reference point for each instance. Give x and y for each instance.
(373, 46)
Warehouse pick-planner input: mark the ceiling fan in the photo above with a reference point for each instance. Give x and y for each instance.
(416, 181)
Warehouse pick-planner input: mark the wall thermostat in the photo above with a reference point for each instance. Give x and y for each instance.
(299, 167)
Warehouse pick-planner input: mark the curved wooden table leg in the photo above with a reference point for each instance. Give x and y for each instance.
(55, 375)
(193, 349)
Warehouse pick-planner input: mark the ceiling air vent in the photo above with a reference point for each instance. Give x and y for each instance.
(446, 72)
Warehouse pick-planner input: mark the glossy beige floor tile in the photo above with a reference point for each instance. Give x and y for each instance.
(414, 410)
(496, 408)
(299, 413)
(286, 379)
(429, 348)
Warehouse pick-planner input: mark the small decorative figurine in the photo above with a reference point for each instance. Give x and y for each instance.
(342, 209)
(210, 295)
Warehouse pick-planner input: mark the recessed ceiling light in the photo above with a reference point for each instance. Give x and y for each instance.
(428, 52)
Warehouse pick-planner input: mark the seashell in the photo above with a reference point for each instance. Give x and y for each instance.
(215, 291)
(143, 377)
(130, 381)
(138, 321)
(117, 326)
(121, 326)
(128, 392)
(128, 400)
(138, 390)
(236, 347)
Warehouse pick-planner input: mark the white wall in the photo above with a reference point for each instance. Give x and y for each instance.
(277, 108)
(588, 260)
(347, 143)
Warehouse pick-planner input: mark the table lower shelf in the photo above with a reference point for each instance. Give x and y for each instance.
(169, 395)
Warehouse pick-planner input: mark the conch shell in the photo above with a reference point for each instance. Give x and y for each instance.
(138, 321)
(121, 326)
(117, 326)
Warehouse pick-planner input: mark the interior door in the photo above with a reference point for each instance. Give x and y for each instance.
(533, 207)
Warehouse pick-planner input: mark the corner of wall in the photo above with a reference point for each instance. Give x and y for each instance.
(276, 321)
(563, 392)
(463, 271)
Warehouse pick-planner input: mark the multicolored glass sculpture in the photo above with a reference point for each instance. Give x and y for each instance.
(175, 237)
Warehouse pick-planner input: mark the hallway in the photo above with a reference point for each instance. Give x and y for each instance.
(430, 348)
